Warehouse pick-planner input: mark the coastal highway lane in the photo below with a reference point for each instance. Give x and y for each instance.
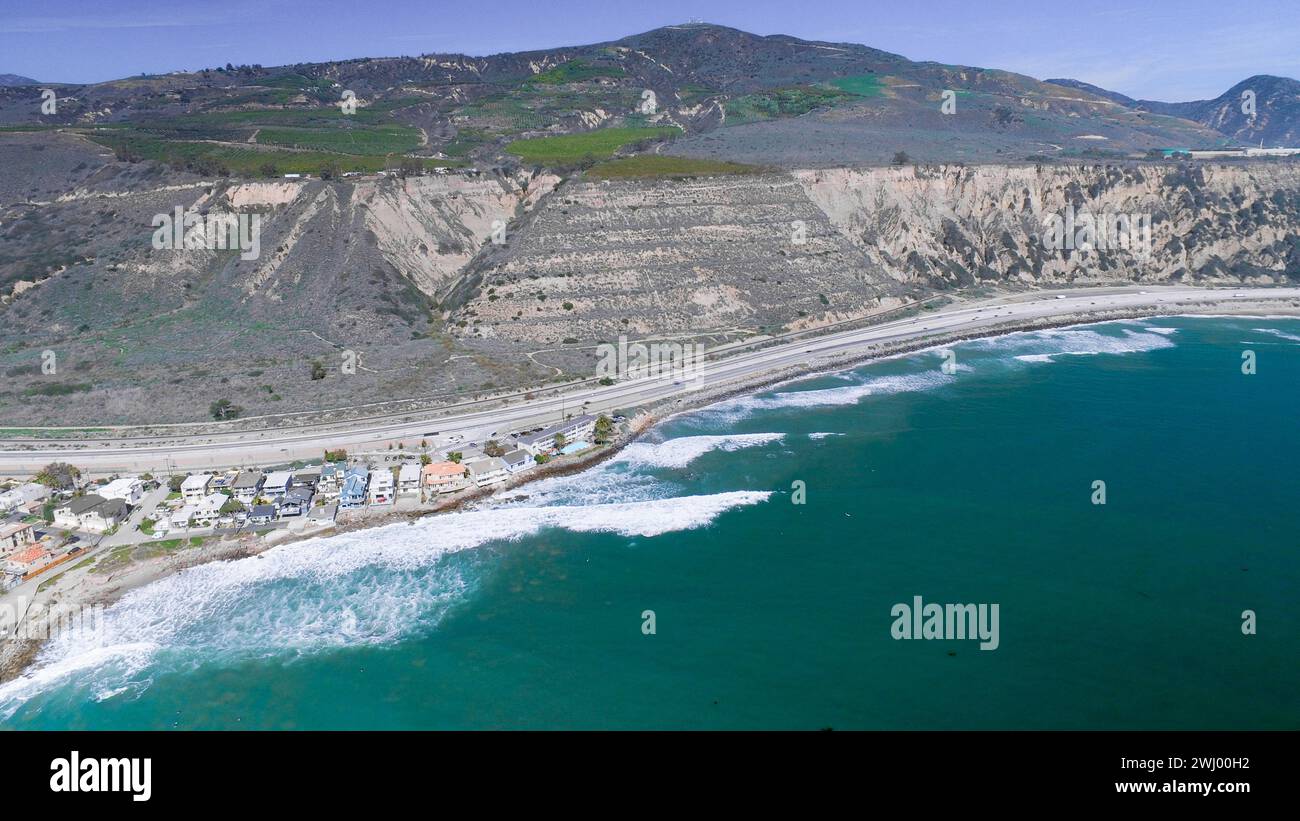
(287, 445)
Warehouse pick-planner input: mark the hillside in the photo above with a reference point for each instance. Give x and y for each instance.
(758, 195)
(1276, 120)
(725, 94)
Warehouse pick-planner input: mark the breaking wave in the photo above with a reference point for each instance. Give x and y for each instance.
(369, 587)
(1045, 345)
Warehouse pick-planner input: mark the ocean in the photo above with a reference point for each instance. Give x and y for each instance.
(742, 565)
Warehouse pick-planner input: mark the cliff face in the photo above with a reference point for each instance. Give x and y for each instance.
(953, 226)
(404, 272)
(641, 258)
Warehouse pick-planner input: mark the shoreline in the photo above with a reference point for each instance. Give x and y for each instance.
(90, 589)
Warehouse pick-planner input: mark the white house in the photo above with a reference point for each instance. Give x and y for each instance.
(26, 497)
(277, 484)
(180, 518)
(518, 460)
(408, 480)
(208, 509)
(489, 470)
(381, 487)
(68, 514)
(105, 516)
(195, 487)
(129, 489)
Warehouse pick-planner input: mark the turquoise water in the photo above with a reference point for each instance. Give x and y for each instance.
(974, 487)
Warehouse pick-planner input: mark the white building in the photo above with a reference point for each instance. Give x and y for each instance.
(580, 427)
(25, 497)
(277, 484)
(408, 480)
(518, 460)
(381, 487)
(489, 470)
(129, 489)
(195, 487)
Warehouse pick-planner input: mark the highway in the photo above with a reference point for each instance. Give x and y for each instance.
(286, 445)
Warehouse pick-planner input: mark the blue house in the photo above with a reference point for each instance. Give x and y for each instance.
(355, 483)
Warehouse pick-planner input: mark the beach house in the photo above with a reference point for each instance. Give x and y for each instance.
(352, 493)
(26, 498)
(195, 487)
(129, 489)
(28, 560)
(75, 512)
(489, 470)
(92, 513)
(296, 502)
(443, 477)
(408, 480)
(381, 487)
(247, 486)
(14, 537)
(518, 460)
(277, 484)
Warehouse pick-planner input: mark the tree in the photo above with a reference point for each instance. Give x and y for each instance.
(604, 429)
(339, 455)
(560, 441)
(425, 459)
(223, 409)
(493, 448)
(59, 475)
(317, 370)
(410, 167)
(454, 457)
(233, 506)
(541, 458)
(174, 483)
(901, 158)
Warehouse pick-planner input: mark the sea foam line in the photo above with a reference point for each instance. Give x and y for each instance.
(366, 587)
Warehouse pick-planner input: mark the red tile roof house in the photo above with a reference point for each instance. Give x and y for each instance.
(28, 560)
(443, 477)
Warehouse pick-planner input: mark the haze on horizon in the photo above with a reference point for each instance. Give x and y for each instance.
(1159, 50)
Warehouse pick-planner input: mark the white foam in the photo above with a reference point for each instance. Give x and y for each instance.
(733, 410)
(1278, 333)
(680, 452)
(1075, 342)
(822, 435)
(367, 587)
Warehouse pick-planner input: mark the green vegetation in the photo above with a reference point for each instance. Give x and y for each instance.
(575, 71)
(861, 85)
(221, 160)
(585, 146)
(224, 409)
(57, 389)
(658, 165)
(783, 102)
(58, 475)
(384, 139)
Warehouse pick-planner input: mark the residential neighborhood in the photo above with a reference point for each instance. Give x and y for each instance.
(59, 517)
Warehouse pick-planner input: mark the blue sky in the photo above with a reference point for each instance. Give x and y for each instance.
(1159, 49)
